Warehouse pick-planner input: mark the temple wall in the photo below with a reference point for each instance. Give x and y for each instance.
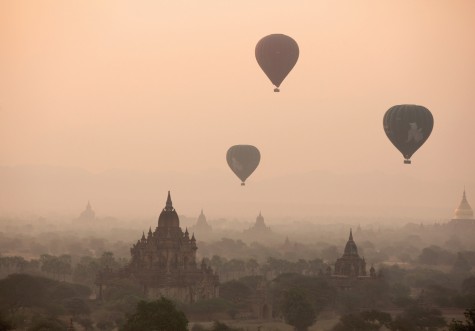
(188, 294)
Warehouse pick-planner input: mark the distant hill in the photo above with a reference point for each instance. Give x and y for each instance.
(40, 190)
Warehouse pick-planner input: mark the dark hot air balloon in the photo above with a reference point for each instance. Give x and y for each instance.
(243, 160)
(408, 127)
(277, 54)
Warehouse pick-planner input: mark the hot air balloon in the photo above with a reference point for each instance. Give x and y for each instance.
(408, 127)
(243, 160)
(277, 54)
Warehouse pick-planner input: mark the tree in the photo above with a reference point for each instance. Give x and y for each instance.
(105, 325)
(317, 290)
(47, 324)
(468, 285)
(86, 323)
(434, 255)
(469, 324)
(364, 321)
(252, 265)
(77, 306)
(218, 326)
(159, 315)
(235, 291)
(461, 265)
(297, 310)
(418, 318)
(21, 291)
(63, 265)
(234, 266)
(4, 324)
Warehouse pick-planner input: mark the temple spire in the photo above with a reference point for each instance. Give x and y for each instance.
(169, 205)
(351, 235)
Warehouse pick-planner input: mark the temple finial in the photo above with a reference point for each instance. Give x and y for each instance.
(169, 205)
(351, 234)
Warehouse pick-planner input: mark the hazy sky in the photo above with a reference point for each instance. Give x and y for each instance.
(171, 85)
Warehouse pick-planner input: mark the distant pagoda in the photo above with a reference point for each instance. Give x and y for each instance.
(164, 263)
(202, 226)
(463, 214)
(259, 228)
(350, 264)
(350, 269)
(87, 214)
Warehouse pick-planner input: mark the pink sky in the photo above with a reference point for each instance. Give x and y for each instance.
(171, 85)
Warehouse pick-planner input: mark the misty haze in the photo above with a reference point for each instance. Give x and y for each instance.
(237, 165)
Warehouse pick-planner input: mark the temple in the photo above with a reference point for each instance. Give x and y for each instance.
(164, 263)
(259, 228)
(350, 269)
(350, 264)
(463, 214)
(202, 225)
(87, 214)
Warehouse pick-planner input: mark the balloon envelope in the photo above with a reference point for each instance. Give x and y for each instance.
(243, 160)
(277, 54)
(408, 127)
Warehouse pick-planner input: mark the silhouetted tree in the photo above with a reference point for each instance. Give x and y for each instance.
(418, 318)
(297, 310)
(468, 285)
(219, 326)
(159, 315)
(5, 325)
(252, 266)
(434, 255)
(364, 321)
(21, 291)
(86, 323)
(461, 265)
(47, 324)
(469, 324)
(235, 291)
(104, 325)
(76, 306)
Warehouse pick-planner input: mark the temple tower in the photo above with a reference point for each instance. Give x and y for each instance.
(463, 214)
(164, 263)
(87, 214)
(350, 264)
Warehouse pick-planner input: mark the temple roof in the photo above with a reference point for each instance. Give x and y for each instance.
(201, 219)
(168, 217)
(350, 248)
(88, 213)
(260, 219)
(464, 211)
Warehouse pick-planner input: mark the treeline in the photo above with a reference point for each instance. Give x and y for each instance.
(228, 269)
(80, 270)
(39, 303)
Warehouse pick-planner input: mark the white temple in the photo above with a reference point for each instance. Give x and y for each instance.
(463, 213)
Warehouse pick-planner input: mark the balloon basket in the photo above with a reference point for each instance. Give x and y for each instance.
(407, 161)
(243, 184)
(276, 89)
